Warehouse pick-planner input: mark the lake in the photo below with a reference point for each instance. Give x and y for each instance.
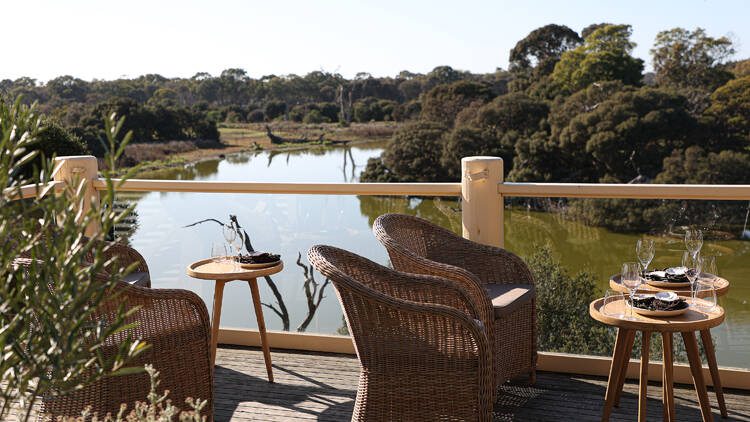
(290, 224)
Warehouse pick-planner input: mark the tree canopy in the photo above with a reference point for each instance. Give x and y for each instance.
(683, 58)
(604, 56)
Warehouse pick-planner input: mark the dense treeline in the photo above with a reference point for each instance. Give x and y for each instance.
(580, 109)
(162, 109)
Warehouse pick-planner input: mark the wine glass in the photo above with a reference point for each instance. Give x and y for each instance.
(707, 282)
(693, 240)
(693, 264)
(237, 244)
(631, 278)
(644, 249)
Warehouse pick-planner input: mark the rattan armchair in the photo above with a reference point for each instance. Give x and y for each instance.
(498, 280)
(423, 353)
(127, 256)
(175, 324)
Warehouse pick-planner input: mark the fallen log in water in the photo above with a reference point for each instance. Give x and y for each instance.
(275, 139)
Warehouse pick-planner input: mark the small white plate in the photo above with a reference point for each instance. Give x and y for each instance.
(676, 271)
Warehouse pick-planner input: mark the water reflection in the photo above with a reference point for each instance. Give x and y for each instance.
(290, 224)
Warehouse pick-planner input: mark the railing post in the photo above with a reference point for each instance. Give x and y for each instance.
(83, 168)
(481, 205)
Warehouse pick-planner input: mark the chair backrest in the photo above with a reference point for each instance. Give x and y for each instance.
(406, 234)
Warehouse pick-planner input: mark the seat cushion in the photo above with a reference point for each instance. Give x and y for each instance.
(140, 279)
(507, 298)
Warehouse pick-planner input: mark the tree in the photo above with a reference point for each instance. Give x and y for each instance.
(274, 109)
(493, 129)
(53, 280)
(52, 139)
(68, 88)
(691, 59)
(542, 48)
(604, 56)
(730, 106)
(591, 28)
(413, 154)
(629, 134)
(563, 321)
(443, 103)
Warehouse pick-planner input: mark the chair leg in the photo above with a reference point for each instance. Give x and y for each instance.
(532, 377)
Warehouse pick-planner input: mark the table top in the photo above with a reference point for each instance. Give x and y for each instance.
(206, 269)
(691, 320)
(722, 287)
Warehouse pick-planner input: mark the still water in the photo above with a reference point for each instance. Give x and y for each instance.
(290, 224)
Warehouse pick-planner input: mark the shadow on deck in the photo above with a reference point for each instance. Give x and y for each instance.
(323, 386)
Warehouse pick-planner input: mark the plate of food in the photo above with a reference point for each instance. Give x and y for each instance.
(662, 304)
(258, 259)
(669, 277)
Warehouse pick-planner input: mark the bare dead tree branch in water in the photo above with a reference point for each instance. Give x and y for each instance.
(313, 292)
(281, 310)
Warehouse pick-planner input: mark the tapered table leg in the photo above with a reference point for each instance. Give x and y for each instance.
(261, 326)
(643, 387)
(708, 346)
(216, 318)
(614, 371)
(697, 371)
(668, 377)
(628, 351)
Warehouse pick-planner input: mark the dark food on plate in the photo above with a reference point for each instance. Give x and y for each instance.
(652, 303)
(669, 278)
(257, 257)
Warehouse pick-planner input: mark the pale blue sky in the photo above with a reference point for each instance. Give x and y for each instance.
(105, 40)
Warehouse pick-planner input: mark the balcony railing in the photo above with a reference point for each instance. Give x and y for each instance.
(481, 189)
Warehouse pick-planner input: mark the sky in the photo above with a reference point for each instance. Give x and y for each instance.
(109, 40)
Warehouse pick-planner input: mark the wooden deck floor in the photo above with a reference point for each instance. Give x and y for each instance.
(322, 386)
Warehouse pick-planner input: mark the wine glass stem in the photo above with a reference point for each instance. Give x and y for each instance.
(632, 292)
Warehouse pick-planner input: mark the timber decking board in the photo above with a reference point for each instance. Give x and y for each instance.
(322, 387)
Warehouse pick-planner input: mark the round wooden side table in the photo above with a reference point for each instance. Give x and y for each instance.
(686, 324)
(722, 288)
(222, 273)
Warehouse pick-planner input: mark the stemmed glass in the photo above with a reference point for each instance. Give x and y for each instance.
(631, 278)
(237, 244)
(693, 240)
(709, 275)
(645, 251)
(230, 235)
(692, 261)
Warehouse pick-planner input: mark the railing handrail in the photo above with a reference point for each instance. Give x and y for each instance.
(30, 191)
(541, 190)
(421, 189)
(620, 190)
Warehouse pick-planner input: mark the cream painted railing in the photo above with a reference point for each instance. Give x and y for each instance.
(482, 189)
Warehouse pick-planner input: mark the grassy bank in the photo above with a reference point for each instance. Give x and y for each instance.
(241, 137)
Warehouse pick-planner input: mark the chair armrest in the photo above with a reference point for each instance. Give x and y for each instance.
(429, 289)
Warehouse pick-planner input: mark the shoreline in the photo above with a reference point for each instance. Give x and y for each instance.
(243, 138)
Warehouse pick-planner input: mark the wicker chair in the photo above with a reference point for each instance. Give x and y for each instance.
(423, 354)
(175, 323)
(498, 280)
(126, 256)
